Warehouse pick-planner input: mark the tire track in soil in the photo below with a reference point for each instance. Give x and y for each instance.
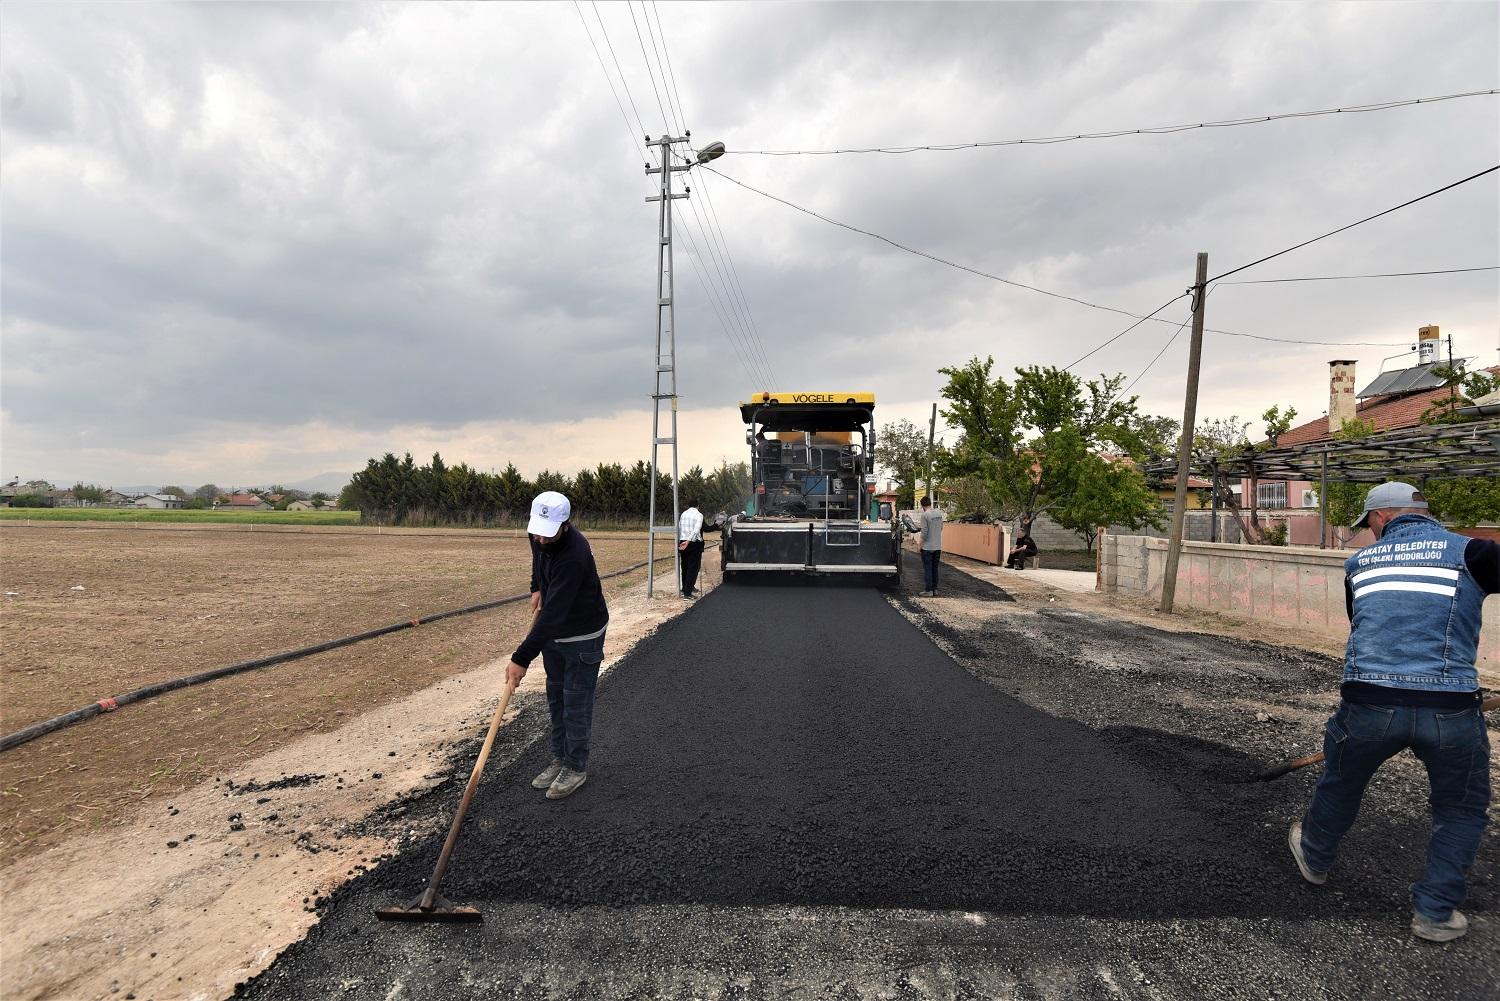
(805, 746)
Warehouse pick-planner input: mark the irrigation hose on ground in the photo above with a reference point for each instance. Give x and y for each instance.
(45, 727)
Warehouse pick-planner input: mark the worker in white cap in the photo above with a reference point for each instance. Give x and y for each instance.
(1414, 598)
(567, 629)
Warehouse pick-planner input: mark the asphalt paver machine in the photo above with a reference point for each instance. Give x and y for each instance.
(812, 508)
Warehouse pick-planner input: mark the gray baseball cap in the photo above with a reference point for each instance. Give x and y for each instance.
(1389, 495)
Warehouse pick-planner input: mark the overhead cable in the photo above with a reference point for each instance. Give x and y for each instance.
(1339, 278)
(1023, 285)
(1116, 337)
(712, 228)
(1377, 215)
(1113, 133)
(1175, 334)
(746, 360)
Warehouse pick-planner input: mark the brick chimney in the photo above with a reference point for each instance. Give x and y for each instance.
(1340, 394)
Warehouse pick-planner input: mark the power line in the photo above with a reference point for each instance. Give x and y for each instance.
(1022, 285)
(1339, 278)
(740, 353)
(1137, 323)
(666, 119)
(610, 80)
(714, 236)
(681, 111)
(1113, 133)
(605, 32)
(1377, 215)
(1142, 374)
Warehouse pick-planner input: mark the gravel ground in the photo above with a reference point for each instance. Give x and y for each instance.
(814, 790)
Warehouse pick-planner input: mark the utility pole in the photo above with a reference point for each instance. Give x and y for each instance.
(665, 389)
(931, 434)
(1185, 446)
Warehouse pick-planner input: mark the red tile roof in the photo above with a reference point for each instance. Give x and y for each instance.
(1386, 413)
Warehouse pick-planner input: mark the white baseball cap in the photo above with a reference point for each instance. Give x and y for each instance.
(548, 512)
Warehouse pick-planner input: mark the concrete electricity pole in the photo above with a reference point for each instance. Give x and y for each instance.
(665, 389)
(1185, 446)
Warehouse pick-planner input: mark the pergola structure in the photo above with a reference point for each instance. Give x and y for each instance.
(1430, 451)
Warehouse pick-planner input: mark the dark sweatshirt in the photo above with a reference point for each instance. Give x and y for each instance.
(572, 597)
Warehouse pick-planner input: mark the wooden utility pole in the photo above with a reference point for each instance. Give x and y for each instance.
(1185, 446)
(931, 434)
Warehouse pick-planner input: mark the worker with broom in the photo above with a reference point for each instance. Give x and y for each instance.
(1414, 598)
(567, 629)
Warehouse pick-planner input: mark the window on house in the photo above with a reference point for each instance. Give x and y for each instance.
(1270, 496)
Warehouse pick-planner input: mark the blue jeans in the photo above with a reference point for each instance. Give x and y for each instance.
(1455, 747)
(930, 559)
(572, 674)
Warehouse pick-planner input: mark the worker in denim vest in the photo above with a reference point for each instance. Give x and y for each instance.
(569, 618)
(1414, 598)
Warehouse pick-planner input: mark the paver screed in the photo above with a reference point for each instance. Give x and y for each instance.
(785, 745)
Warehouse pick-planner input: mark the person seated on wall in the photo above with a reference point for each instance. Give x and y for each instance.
(1023, 550)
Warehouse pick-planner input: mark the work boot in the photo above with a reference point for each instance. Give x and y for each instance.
(926, 594)
(1294, 841)
(566, 783)
(1440, 931)
(548, 775)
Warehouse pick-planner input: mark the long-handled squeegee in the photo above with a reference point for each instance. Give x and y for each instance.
(1493, 702)
(429, 905)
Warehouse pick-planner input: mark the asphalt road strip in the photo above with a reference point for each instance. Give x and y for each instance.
(803, 748)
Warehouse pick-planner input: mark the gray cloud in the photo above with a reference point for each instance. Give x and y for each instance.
(383, 217)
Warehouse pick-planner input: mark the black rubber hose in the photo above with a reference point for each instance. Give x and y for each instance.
(36, 730)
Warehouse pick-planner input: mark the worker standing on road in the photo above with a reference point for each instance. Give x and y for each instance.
(690, 544)
(1414, 599)
(567, 629)
(932, 547)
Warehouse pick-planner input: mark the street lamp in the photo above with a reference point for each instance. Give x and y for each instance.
(710, 152)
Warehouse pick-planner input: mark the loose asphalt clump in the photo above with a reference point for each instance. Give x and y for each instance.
(808, 747)
(285, 782)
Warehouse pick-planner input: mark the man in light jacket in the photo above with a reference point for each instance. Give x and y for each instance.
(932, 547)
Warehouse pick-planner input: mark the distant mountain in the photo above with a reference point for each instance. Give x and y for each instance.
(328, 483)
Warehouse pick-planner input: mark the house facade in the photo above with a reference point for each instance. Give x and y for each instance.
(1393, 401)
(159, 502)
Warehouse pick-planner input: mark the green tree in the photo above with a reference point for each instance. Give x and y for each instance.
(89, 492)
(174, 492)
(209, 492)
(1278, 423)
(901, 450)
(1040, 439)
(1107, 493)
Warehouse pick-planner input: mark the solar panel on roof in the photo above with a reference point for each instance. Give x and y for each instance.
(1404, 380)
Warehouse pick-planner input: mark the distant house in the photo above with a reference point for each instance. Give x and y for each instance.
(274, 499)
(247, 502)
(1394, 401)
(114, 498)
(159, 502)
(300, 505)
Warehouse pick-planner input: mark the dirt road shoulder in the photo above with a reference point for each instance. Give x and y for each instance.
(196, 895)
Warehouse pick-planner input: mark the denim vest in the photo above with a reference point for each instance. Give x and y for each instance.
(1416, 610)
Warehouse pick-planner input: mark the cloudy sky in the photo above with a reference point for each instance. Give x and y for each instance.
(257, 242)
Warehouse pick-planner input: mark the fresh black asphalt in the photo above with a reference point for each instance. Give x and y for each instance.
(786, 751)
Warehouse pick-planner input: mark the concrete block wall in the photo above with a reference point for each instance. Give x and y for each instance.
(1276, 585)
